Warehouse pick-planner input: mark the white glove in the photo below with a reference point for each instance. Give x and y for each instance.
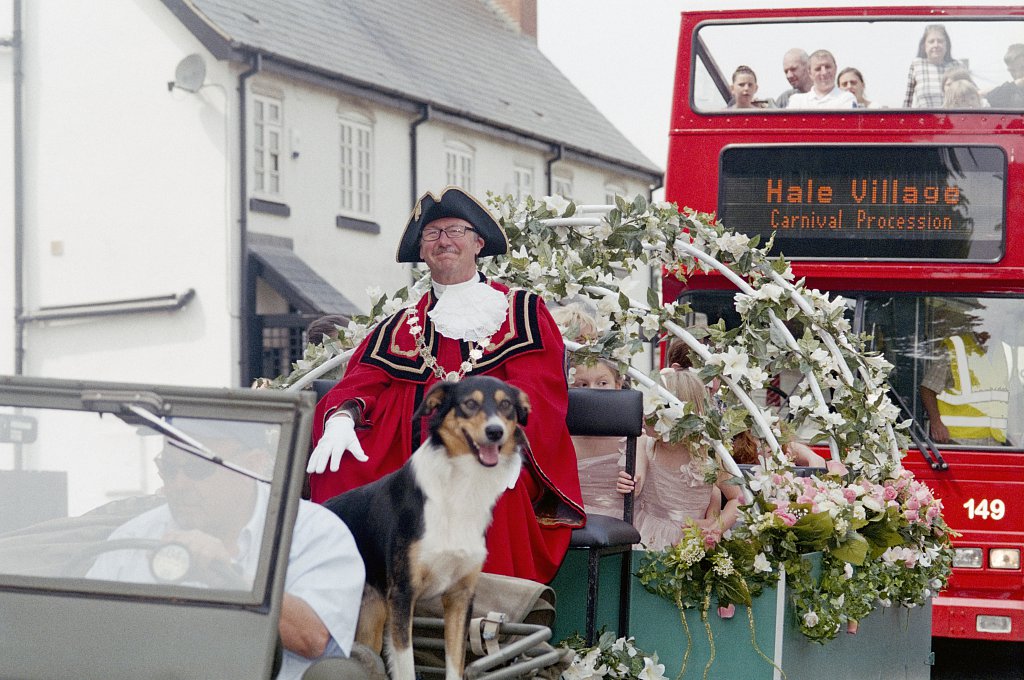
(339, 436)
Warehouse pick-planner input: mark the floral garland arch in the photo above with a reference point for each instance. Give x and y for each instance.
(881, 533)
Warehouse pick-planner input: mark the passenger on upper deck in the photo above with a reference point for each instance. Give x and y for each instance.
(795, 64)
(934, 58)
(851, 80)
(1010, 95)
(823, 94)
(962, 94)
(744, 88)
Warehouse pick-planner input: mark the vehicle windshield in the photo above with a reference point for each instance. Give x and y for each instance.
(966, 64)
(177, 506)
(964, 354)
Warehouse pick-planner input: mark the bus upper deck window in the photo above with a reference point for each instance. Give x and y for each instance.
(857, 65)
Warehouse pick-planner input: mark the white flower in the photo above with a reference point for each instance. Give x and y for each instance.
(667, 417)
(393, 305)
(770, 291)
(734, 244)
(848, 571)
(821, 356)
(651, 323)
(757, 377)
(811, 619)
(734, 362)
(556, 204)
(652, 670)
(602, 231)
(585, 667)
(761, 563)
(722, 564)
(374, 293)
(743, 302)
(801, 402)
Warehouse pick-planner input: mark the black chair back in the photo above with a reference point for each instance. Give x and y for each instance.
(322, 387)
(609, 413)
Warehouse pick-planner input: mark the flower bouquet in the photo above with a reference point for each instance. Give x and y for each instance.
(612, 658)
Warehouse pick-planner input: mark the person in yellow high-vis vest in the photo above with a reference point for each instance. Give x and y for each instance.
(965, 391)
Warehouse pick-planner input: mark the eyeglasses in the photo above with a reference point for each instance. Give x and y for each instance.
(433, 233)
(191, 466)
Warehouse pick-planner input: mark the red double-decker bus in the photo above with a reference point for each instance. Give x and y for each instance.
(906, 199)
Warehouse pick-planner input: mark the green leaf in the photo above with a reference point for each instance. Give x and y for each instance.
(853, 550)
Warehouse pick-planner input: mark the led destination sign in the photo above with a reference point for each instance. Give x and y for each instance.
(877, 202)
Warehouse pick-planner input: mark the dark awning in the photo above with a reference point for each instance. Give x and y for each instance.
(274, 261)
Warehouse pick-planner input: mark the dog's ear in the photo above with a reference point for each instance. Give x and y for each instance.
(435, 397)
(522, 407)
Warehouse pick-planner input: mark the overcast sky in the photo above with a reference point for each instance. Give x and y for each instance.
(621, 54)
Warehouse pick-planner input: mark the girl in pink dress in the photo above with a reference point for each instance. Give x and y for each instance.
(599, 459)
(678, 483)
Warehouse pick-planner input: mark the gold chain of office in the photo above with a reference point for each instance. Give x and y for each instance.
(476, 350)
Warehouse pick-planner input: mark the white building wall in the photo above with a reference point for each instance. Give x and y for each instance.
(6, 190)
(127, 196)
(348, 259)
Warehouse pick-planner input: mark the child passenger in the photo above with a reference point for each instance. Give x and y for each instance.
(599, 459)
(671, 482)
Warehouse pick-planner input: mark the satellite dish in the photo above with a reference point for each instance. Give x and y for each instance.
(190, 73)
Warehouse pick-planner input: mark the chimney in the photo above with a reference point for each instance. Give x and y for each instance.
(521, 14)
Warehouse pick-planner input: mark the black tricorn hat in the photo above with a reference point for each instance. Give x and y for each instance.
(454, 202)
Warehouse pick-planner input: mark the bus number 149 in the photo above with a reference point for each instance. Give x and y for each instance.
(985, 509)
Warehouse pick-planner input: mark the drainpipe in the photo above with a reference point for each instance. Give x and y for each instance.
(19, 190)
(551, 161)
(413, 180)
(246, 303)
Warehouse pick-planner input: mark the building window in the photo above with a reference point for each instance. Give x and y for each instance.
(356, 167)
(267, 133)
(611, 191)
(523, 181)
(458, 165)
(562, 186)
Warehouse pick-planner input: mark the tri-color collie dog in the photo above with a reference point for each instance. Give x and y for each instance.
(420, 529)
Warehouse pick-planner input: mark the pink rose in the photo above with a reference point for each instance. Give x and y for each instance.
(835, 467)
(787, 518)
(889, 493)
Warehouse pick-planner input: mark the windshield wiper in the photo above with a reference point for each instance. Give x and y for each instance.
(917, 433)
(126, 406)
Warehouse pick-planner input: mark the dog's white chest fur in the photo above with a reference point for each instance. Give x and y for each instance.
(460, 496)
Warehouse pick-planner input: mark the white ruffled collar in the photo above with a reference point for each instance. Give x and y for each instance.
(470, 310)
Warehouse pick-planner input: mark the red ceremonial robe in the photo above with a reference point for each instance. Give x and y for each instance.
(386, 380)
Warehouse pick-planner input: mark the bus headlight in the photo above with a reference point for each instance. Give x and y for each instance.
(969, 558)
(1004, 558)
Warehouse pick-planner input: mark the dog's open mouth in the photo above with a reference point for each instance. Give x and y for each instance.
(487, 453)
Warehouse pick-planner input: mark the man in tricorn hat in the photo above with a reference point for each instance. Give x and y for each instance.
(465, 325)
